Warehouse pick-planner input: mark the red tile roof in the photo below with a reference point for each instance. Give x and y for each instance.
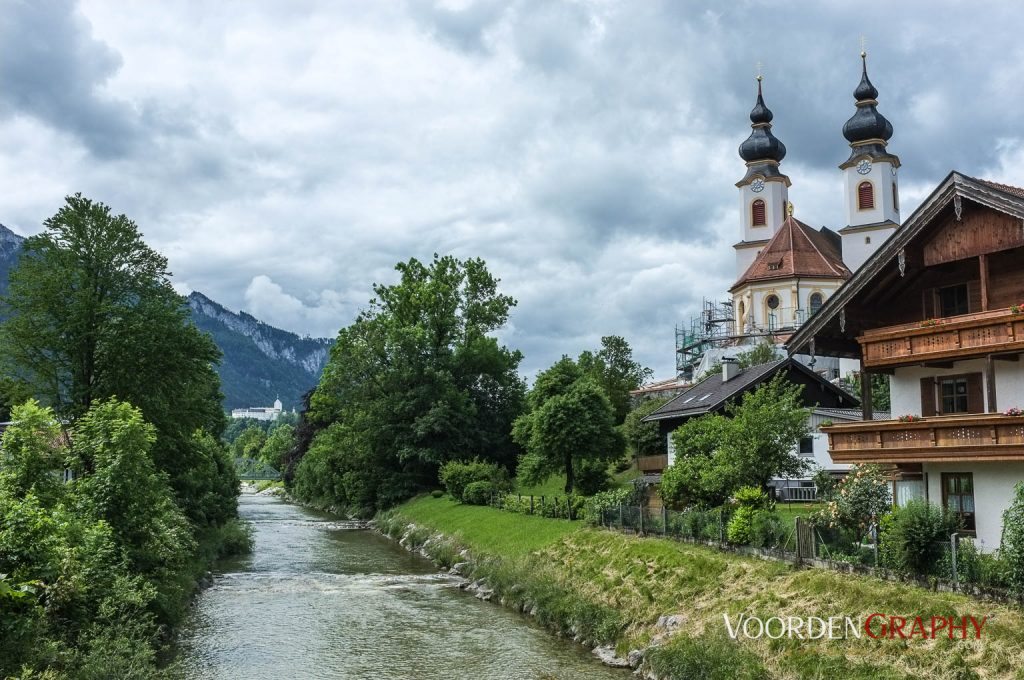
(1006, 188)
(796, 250)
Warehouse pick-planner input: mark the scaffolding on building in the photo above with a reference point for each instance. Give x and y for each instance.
(712, 328)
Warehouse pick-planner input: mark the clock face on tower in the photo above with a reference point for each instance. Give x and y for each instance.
(757, 186)
(864, 167)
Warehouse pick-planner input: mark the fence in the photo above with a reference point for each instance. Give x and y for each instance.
(953, 562)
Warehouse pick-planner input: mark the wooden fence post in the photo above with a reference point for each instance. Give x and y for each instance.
(622, 526)
(953, 543)
(640, 510)
(531, 503)
(664, 520)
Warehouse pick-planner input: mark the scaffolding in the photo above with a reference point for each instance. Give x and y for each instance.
(712, 328)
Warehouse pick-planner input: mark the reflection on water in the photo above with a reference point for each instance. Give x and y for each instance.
(319, 598)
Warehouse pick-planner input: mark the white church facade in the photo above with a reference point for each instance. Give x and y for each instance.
(259, 412)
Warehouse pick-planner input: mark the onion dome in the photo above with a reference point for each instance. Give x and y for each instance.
(867, 123)
(761, 145)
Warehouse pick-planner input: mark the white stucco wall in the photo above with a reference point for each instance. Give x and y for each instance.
(993, 493)
(905, 385)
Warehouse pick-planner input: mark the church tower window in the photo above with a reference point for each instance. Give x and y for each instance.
(865, 196)
(895, 197)
(757, 213)
(815, 302)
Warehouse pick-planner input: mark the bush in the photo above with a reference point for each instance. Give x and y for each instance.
(597, 504)
(1013, 540)
(738, 530)
(436, 493)
(982, 569)
(478, 493)
(456, 475)
(767, 529)
(236, 538)
(916, 536)
(861, 495)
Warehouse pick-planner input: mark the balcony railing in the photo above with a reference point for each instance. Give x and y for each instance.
(983, 436)
(954, 337)
(651, 463)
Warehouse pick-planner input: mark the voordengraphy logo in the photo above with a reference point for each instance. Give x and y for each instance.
(877, 626)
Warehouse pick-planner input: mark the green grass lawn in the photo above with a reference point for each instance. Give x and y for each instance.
(486, 530)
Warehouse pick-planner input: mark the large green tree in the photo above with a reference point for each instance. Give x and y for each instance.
(91, 315)
(418, 379)
(644, 438)
(753, 442)
(569, 428)
(613, 368)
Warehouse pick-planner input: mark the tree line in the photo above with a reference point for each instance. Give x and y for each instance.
(115, 489)
(420, 378)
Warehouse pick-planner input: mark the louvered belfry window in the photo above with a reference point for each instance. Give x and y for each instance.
(757, 215)
(865, 196)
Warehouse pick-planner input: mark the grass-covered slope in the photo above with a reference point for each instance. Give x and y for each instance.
(607, 587)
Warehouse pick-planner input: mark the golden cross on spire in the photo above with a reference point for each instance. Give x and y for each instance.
(760, 68)
(863, 46)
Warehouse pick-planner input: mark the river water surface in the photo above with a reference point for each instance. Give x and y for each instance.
(318, 598)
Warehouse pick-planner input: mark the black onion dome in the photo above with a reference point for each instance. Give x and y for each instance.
(867, 123)
(761, 145)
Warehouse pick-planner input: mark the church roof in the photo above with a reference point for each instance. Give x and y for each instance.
(796, 250)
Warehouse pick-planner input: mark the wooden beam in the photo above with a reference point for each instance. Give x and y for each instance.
(938, 364)
(990, 383)
(865, 395)
(1006, 357)
(983, 270)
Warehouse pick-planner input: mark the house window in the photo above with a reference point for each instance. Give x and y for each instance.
(958, 496)
(815, 302)
(865, 196)
(953, 300)
(772, 301)
(757, 213)
(806, 447)
(895, 197)
(953, 395)
(867, 240)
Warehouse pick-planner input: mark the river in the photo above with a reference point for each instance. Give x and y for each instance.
(319, 598)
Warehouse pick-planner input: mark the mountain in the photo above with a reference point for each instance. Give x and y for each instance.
(10, 246)
(261, 363)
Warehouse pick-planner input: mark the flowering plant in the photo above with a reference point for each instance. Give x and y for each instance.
(909, 418)
(825, 423)
(1014, 411)
(930, 322)
(1017, 308)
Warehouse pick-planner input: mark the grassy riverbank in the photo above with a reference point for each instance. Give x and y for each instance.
(609, 588)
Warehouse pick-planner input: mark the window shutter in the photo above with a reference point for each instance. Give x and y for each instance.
(865, 196)
(757, 213)
(927, 396)
(928, 303)
(973, 296)
(975, 393)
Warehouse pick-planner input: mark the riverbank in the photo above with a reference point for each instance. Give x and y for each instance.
(667, 600)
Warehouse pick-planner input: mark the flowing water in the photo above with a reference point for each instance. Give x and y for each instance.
(319, 598)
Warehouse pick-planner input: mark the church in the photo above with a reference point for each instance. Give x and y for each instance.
(785, 269)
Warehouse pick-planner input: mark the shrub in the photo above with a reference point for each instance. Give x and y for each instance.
(236, 538)
(1013, 540)
(478, 493)
(738, 530)
(767, 529)
(753, 497)
(916, 535)
(983, 569)
(436, 493)
(456, 475)
(597, 504)
(861, 495)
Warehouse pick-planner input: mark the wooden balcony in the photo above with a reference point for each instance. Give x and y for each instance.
(955, 337)
(975, 437)
(651, 463)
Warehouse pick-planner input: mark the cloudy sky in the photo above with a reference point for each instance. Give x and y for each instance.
(284, 155)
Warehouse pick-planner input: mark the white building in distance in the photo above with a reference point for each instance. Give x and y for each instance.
(259, 412)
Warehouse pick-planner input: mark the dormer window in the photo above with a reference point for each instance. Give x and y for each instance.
(775, 266)
(865, 196)
(757, 213)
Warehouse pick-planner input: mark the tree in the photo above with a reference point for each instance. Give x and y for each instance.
(761, 353)
(612, 367)
(91, 315)
(752, 443)
(30, 455)
(644, 438)
(880, 399)
(418, 380)
(569, 428)
(277, 445)
(249, 443)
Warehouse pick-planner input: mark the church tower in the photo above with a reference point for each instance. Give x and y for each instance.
(869, 177)
(764, 190)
